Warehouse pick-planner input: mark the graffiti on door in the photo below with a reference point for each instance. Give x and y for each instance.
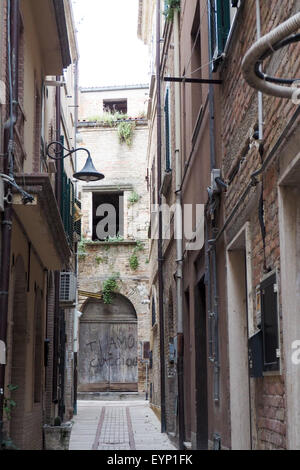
(109, 353)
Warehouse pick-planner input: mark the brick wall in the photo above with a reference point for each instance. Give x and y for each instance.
(91, 103)
(124, 168)
(240, 117)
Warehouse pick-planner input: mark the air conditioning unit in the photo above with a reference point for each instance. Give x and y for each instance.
(67, 293)
(1, 195)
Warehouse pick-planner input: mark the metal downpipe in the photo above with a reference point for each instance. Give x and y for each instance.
(179, 237)
(160, 243)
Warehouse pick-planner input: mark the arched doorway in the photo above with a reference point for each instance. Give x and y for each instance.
(108, 346)
(19, 343)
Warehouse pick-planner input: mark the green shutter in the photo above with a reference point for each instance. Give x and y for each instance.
(219, 25)
(223, 23)
(67, 203)
(167, 131)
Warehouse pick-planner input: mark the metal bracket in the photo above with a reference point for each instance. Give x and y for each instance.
(192, 80)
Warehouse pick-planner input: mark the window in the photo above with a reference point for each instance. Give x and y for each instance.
(269, 317)
(115, 106)
(222, 14)
(108, 215)
(167, 131)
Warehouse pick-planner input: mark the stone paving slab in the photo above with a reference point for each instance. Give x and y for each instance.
(117, 425)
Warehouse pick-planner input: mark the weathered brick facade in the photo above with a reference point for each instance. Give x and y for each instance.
(239, 104)
(125, 172)
(37, 245)
(251, 228)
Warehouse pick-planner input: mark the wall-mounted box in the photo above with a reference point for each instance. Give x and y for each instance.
(255, 346)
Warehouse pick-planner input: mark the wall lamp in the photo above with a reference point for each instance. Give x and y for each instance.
(87, 174)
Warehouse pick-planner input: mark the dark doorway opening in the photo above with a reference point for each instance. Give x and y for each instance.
(115, 106)
(201, 366)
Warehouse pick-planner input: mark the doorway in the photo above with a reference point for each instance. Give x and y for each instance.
(201, 367)
(239, 327)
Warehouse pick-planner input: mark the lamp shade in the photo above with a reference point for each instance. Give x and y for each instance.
(88, 172)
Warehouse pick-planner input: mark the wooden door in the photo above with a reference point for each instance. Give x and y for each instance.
(108, 351)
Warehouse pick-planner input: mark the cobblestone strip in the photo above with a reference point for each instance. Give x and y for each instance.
(114, 433)
(130, 430)
(99, 429)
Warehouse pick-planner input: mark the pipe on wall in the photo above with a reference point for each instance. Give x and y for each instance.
(263, 46)
(260, 96)
(160, 229)
(179, 235)
(212, 254)
(13, 42)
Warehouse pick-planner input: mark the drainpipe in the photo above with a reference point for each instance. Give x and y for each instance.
(13, 42)
(214, 300)
(260, 95)
(57, 273)
(179, 234)
(76, 319)
(262, 49)
(160, 242)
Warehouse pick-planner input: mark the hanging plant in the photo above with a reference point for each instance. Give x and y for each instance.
(170, 7)
(133, 262)
(109, 287)
(133, 198)
(125, 132)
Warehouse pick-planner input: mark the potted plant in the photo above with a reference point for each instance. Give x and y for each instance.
(57, 437)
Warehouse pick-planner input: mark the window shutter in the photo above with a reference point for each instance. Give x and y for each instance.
(223, 23)
(67, 202)
(167, 130)
(219, 25)
(153, 312)
(270, 323)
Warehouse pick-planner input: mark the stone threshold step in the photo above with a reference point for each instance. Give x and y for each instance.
(110, 396)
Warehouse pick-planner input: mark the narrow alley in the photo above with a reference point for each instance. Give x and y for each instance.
(117, 425)
(149, 226)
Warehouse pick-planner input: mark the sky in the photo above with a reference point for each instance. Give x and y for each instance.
(110, 51)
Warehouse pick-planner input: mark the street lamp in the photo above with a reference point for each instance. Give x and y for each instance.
(87, 174)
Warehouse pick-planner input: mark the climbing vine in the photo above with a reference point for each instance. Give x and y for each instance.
(171, 7)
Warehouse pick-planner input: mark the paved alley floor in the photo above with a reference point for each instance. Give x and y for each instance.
(117, 425)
